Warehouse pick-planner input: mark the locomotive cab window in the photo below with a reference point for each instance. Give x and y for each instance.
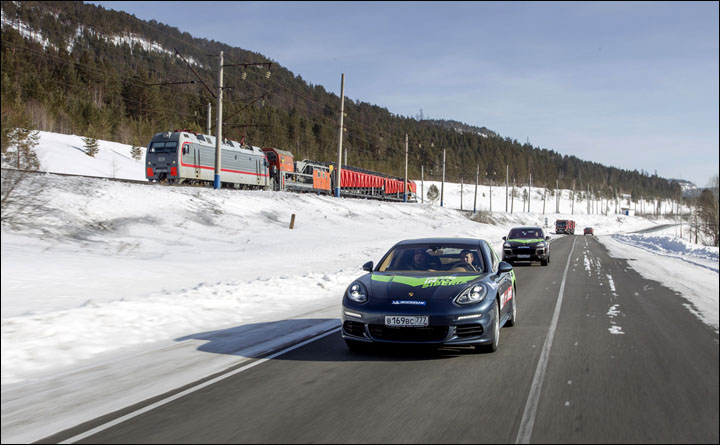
(163, 147)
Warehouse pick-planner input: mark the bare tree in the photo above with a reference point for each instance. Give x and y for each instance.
(709, 205)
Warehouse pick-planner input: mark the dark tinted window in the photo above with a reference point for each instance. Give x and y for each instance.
(432, 258)
(525, 234)
(163, 147)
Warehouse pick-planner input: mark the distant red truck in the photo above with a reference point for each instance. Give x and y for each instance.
(565, 226)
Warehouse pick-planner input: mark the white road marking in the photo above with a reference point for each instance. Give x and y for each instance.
(528, 419)
(193, 389)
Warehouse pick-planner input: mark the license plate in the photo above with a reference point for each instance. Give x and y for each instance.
(406, 320)
(523, 256)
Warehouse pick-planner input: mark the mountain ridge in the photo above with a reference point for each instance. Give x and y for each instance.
(107, 61)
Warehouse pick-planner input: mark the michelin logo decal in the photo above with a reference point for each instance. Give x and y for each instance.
(418, 303)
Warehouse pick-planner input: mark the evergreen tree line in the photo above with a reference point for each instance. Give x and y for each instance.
(104, 90)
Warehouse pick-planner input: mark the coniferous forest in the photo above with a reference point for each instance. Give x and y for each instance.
(76, 68)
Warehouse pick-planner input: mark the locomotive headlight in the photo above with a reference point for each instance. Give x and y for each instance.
(471, 295)
(357, 292)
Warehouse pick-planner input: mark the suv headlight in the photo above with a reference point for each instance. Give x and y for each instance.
(542, 244)
(507, 245)
(357, 292)
(471, 295)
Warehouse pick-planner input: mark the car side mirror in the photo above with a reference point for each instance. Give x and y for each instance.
(504, 267)
(504, 238)
(547, 238)
(368, 267)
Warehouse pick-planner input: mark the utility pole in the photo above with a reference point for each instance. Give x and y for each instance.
(544, 199)
(491, 181)
(209, 119)
(572, 212)
(338, 169)
(406, 161)
(512, 197)
(507, 180)
(461, 192)
(442, 186)
(529, 193)
(557, 197)
(218, 141)
(477, 176)
(588, 197)
(422, 184)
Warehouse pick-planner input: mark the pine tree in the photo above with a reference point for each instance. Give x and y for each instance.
(136, 151)
(92, 147)
(19, 141)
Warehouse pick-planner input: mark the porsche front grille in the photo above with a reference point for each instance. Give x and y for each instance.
(469, 330)
(354, 328)
(423, 334)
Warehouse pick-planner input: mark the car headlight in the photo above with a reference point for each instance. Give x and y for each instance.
(542, 244)
(507, 245)
(471, 295)
(357, 292)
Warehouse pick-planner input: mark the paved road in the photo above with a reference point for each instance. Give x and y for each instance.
(620, 360)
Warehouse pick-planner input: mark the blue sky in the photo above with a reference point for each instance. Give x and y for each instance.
(632, 85)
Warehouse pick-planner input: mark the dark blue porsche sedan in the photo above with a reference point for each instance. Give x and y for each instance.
(442, 291)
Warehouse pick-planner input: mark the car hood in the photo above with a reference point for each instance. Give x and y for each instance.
(525, 242)
(409, 286)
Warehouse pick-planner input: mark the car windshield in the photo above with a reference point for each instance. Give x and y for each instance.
(525, 234)
(433, 258)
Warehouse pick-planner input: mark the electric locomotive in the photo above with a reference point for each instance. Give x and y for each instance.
(186, 157)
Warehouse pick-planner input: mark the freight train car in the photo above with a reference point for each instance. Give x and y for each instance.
(359, 182)
(300, 176)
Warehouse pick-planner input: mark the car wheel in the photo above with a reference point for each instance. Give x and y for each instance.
(544, 262)
(492, 347)
(357, 346)
(513, 314)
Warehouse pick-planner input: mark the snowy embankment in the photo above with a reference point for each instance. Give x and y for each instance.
(118, 292)
(689, 269)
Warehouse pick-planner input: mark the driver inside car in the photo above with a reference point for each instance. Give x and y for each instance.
(467, 260)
